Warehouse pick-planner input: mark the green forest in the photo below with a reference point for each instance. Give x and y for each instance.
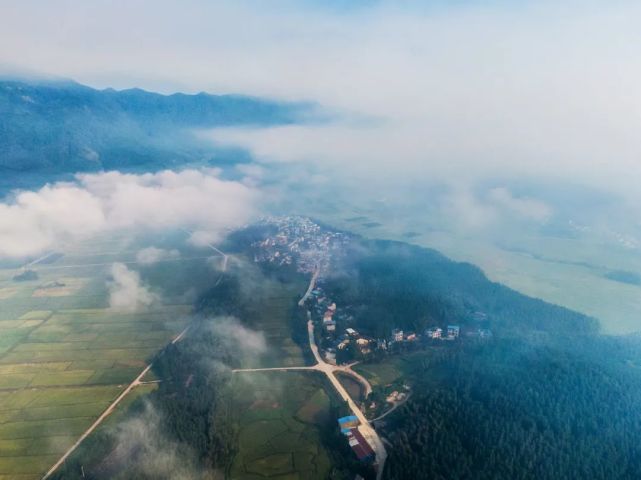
(547, 397)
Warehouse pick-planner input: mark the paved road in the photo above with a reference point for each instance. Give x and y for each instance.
(396, 405)
(272, 369)
(365, 427)
(312, 284)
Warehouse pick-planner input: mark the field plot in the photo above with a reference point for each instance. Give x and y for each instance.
(272, 313)
(353, 386)
(280, 417)
(65, 355)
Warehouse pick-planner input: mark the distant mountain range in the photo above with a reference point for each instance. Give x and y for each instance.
(56, 127)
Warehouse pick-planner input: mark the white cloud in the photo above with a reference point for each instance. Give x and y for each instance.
(36, 221)
(151, 255)
(469, 210)
(527, 208)
(243, 340)
(30, 223)
(550, 88)
(127, 292)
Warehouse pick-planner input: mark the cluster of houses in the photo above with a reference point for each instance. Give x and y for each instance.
(336, 340)
(330, 316)
(298, 241)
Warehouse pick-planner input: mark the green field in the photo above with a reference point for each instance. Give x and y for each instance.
(65, 355)
(353, 387)
(271, 314)
(383, 373)
(280, 416)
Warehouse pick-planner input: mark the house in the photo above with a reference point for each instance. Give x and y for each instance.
(347, 423)
(359, 446)
(351, 332)
(453, 331)
(410, 337)
(435, 332)
(397, 335)
(330, 326)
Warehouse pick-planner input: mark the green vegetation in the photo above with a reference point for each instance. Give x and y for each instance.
(64, 355)
(395, 285)
(249, 425)
(514, 408)
(279, 420)
(353, 387)
(382, 373)
(546, 397)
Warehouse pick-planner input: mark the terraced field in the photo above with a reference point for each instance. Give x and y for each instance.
(65, 355)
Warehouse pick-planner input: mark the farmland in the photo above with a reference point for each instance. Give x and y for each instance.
(65, 355)
(272, 314)
(383, 373)
(279, 432)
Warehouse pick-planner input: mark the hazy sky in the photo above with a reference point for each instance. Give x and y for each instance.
(442, 91)
(530, 88)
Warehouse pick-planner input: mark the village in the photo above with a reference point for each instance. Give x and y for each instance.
(340, 343)
(300, 243)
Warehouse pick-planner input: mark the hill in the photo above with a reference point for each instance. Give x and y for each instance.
(57, 127)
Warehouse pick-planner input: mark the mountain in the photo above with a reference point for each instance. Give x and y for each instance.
(57, 127)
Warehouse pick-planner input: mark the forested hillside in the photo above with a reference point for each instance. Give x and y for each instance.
(395, 285)
(62, 126)
(545, 397)
(509, 409)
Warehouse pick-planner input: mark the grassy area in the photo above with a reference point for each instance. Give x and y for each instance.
(281, 415)
(353, 387)
(65, 355)
(383, 373)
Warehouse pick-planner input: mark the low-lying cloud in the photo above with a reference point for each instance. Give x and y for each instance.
(34, 221)
(240, 337)
(152, 255)
(141, 441)
(127, 292)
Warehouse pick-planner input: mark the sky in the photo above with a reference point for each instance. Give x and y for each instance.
(452, 92)
(550, 89)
